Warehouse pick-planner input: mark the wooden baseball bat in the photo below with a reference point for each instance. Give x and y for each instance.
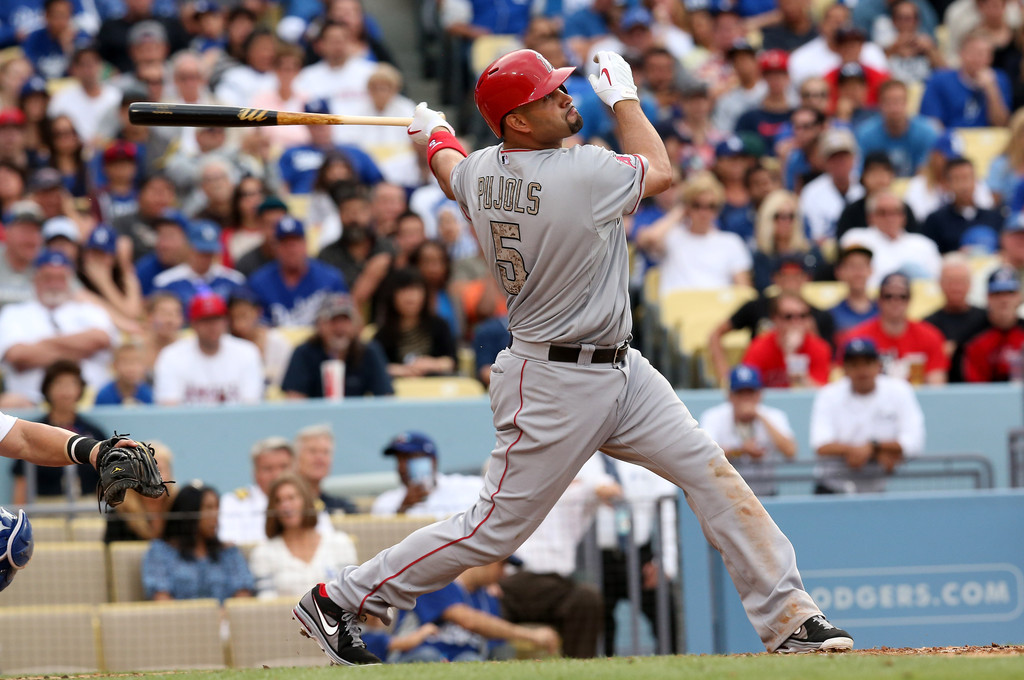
(203, 115)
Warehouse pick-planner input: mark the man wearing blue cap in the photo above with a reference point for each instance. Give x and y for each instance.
(292, 287)
(424, 490)
(994, 353)
(201, 271)
(755, 437)
(53, 326)
(863, 425)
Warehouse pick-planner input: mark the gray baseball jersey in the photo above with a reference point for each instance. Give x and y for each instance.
(550, 225)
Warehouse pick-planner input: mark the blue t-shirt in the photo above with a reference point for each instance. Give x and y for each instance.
(451, 639)
(1015, 201)
(585, 23)
(489, 338)
(146, 268)
(846, 318)
(508, 17)
(949, 100)
(299, 166)
(109, 396)
(752, 8)
(907, 152)
(185, 288)
(739, 219)
(165, 570)
(767, 124)
(47, 55)
(26, 16)
(284, 306)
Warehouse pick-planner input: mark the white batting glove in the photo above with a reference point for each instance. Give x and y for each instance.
(424, 122)
(614, 80)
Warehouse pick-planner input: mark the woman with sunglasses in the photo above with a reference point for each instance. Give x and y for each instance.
(779, 233)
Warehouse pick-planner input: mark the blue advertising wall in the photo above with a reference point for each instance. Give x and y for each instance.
(899, 570)
(213, 443)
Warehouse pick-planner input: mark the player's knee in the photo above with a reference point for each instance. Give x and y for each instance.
(15, 544)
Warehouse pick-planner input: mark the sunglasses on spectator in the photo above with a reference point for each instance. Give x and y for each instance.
(814, 94)
(784, 216)
(795, 316)
(902, 297)
(703, 206)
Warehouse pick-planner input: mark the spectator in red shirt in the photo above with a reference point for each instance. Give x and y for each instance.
(993, 354)
(790, 355)
(909, 349)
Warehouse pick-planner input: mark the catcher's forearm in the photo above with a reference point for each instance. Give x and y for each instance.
(39, 444)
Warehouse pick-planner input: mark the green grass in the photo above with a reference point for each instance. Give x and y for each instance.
(753, 667)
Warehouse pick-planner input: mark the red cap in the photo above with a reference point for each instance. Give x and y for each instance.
(120, 150)
(773, 60)
(206, 306)
(12, 116)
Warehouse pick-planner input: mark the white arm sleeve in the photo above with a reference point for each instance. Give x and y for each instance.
(911, 425)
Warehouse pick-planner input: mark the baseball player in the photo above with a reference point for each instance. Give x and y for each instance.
(131, 467)
(549, 220)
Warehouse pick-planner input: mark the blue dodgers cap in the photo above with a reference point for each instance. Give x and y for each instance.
(289, 226)
(860, 348)
(317, 106)
(730, 147)
(949, 144)
(104, 238)
(1003, 280)
(172, 216)
(745, 377)
(1015, 222)
(52, 258)
(411, 442)
(633, 17)
(34, 85)
(204, 236)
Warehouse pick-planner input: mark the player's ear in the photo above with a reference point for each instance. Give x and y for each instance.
(516, 121)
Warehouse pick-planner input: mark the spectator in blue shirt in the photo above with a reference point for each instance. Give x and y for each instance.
(489, 338)
(129, 384)
(292, 287)
(169, 249)
(974, 96)
(201, 269)
(853, 267)
(906, 140)
(190, 562)
(19, 18)
(948, 225)
(49, 48)
(299, 164)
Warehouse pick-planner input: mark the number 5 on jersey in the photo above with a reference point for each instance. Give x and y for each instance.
(509, 259)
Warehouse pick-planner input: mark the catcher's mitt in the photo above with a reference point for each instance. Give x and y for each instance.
(126, 467)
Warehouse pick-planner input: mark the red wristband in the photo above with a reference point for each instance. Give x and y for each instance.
(443, 139)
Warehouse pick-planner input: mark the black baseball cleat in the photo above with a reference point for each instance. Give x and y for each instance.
(336, 630)
(816, 634)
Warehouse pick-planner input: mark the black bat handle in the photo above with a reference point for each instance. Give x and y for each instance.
(198, 115)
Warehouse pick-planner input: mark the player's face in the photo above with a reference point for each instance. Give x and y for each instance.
(552, 118)
(208, 516)
(270, 465)
(289, 506)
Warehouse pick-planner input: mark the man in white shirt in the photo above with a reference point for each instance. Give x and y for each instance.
(821, 55)
(865, 425)
(53, 326)
(242, 517)
(754, 437)
(87, 101)
(424, 490)
(22, 243)
(892, 248)
(824, 198)
(340, 76)
(209, 367)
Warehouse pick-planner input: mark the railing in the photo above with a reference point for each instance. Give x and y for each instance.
(1015, 446)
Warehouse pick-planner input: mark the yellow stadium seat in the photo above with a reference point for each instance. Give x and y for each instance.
(925, 298)
(296, 335)
(915, 91)
(487, 48)
(298, 206)
(49, 529)
(652, 283)
(982, 145)
(439, 387)
(56, 640)
(466, 362)
(693, 314)
(899, 186)
(87, 528)
(155, 636)
(61, 573)
(126, 570)
(264, 633)
(372, 534)
(824, 294)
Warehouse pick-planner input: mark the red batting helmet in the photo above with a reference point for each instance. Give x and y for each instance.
(515, 79)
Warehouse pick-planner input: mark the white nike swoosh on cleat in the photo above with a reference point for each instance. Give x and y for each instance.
(329, 629)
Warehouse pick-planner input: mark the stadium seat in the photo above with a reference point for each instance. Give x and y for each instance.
(982, 145)
(925, 298)
(372, 534)
(899, 186)
(49, 529)
(824, 294)
(264, 633)
(439, 387)
(61, 573)
(126, 571)
(487, 48)
(693, 314)
(915, 91)
(27, 648)
(154, 636)
(296, 335)
(87, 528)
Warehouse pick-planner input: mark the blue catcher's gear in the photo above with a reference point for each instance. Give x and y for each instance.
(15, 544)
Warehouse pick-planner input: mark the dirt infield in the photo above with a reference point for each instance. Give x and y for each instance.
(971, 650)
